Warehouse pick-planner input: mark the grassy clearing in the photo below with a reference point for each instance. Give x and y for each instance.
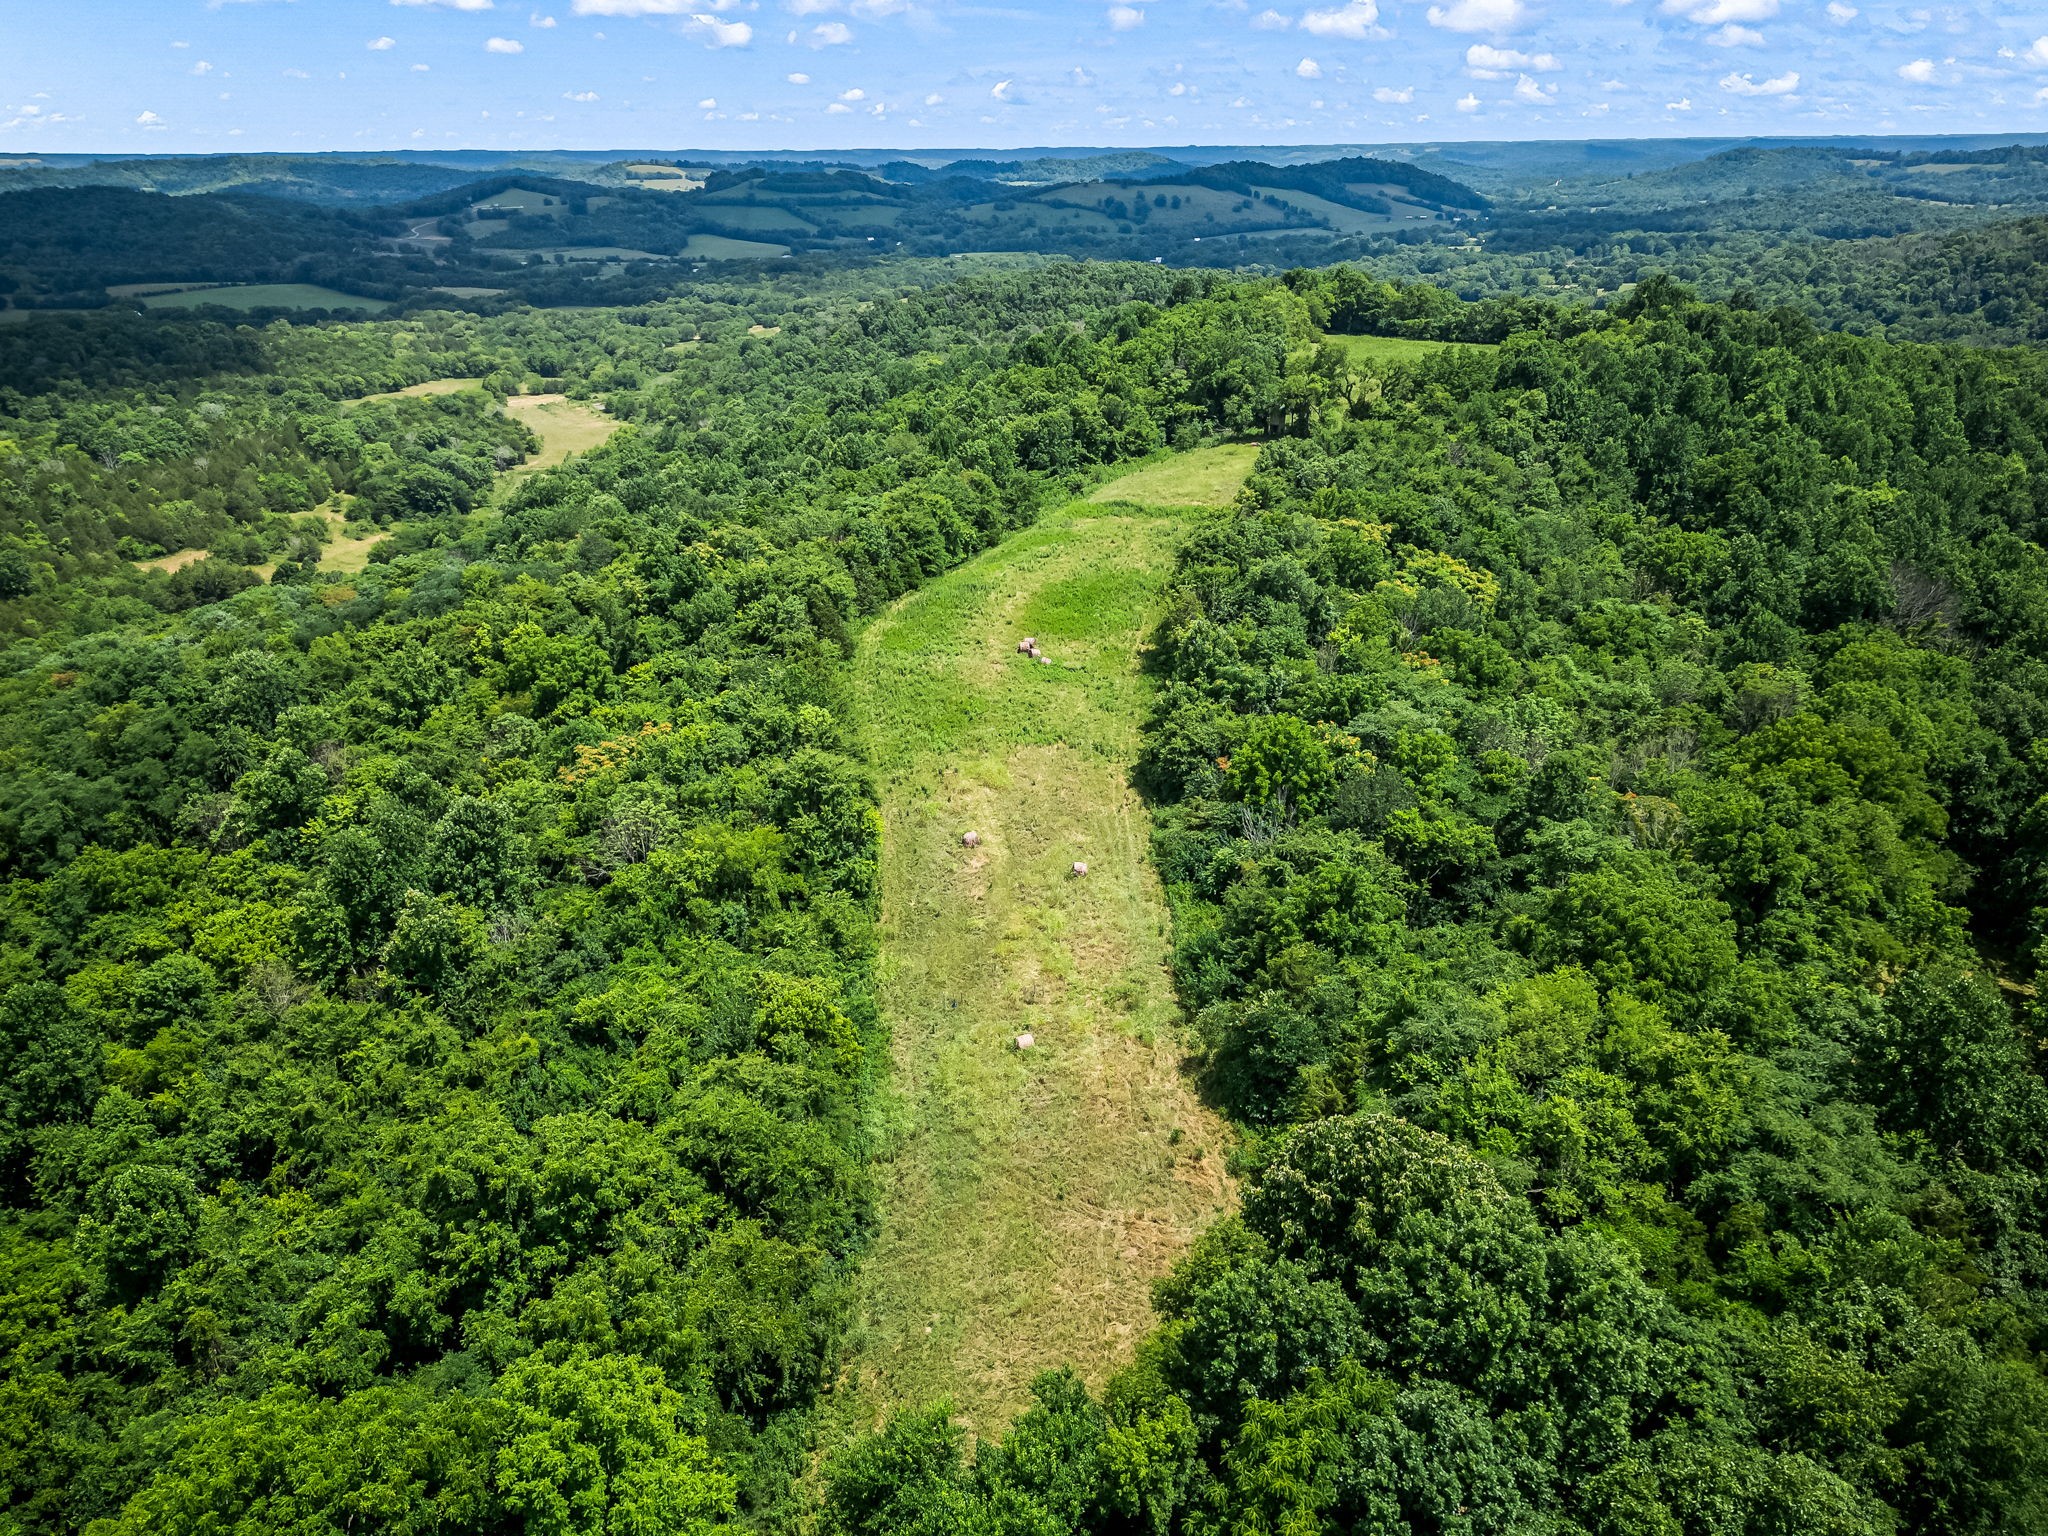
(1365, 351)
(172, 563)
(343, 555)
(265, 296)
(416, 391)
(1207, 477)
(564, 427)
(1028, 1198)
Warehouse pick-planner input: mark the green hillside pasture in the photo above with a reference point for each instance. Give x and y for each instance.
(1202, 210)
(1028, 1197)
(1347, 221)
(525, 201)
(726, 248)
(1206, 477)
(265, 296)
(758, 219)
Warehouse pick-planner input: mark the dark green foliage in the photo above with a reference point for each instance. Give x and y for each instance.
(1598, 786)
(439, 1005)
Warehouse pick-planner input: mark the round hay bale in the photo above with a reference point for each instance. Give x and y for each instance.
(1045, 661)
(1026, 1040)
(1027, 646)
(1080, 869)
(970, 839)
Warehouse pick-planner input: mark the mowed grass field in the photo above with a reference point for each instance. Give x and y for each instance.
(1368, 350)
(1028, 1198)
(265, 296)
(1205, 477)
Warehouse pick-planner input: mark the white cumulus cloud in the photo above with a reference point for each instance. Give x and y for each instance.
(1122, 18)
(934, 99)
(1919, 72)
(1309, 69)
(1485, 62)
(722, 34)
(1468, 103)
(1714, 13)
(1736, 36)
(1777, 85)
(1839, 13)
(856, 94)
(1683, 104)
(1478, 15)
(831, 34)
(2038, 53)
(503, 45)
(1387, 95)
(1356, 21)
(379, 44)
(1271, 21)
(799, 78)
(1004, 90)
(579, 96)
(708, 104)
(149, 120)
(1528, 90)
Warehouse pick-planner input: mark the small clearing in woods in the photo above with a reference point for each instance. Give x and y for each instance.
(1206, 477)
(1028, 1198)
(172, 563)
(564, 427)
(416, 391)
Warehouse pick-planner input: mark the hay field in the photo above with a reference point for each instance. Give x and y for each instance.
(1205, 477)
(1028, 1198)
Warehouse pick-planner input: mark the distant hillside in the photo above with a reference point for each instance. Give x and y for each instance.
(72, 241)
(313, 178)
(533, 237)
(1048, 170)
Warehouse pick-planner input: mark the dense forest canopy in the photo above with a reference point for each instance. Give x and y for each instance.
(1595, 770)
(1598, 783)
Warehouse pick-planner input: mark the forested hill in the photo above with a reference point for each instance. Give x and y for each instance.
(1599, 787)
(1594, 769)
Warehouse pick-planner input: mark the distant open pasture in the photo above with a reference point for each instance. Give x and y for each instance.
(266, 296)
(725, 248)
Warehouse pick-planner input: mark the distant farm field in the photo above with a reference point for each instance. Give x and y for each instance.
(266, 296)
(725, 248)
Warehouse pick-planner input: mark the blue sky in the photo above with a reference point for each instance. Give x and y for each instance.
(216, 75)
